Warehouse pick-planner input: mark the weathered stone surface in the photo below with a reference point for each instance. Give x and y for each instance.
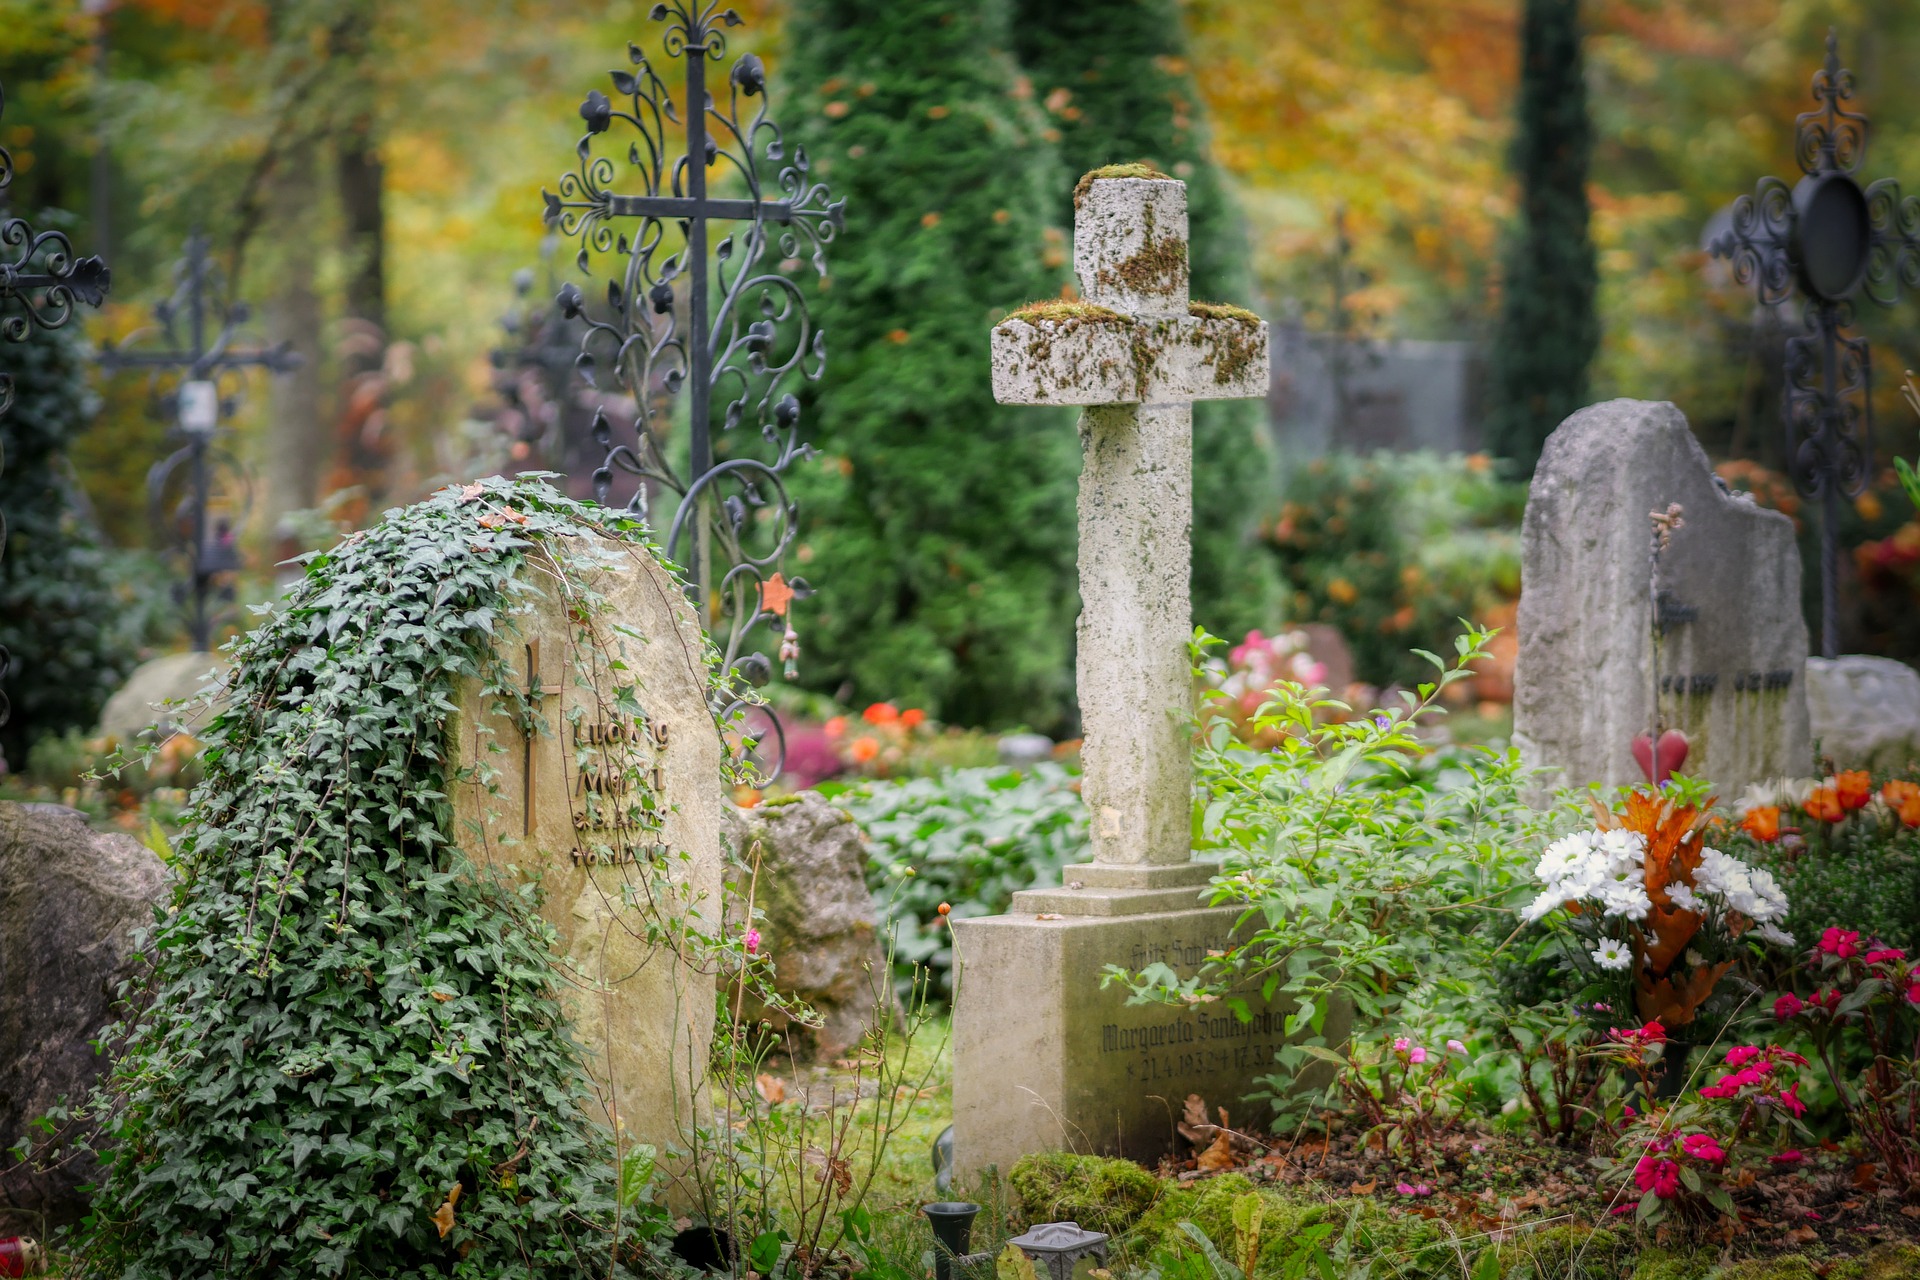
(140, 703)
(1044, 1056)
(1091, 361)
(820, 928)
(1865, 711)
(1733, 648)
(70, 900)
(618, 816)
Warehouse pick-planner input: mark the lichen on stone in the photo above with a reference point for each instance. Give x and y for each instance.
(1146, 171)
(1221, 311)
(1158, 266)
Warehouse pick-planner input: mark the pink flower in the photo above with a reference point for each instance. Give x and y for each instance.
(1701, 1146)
(1786, 1006)
(1401, 1044)
(1631, 1113)
(1829, 1000)
(1741, 1055)
(1790, 1099)
(752, 939)
(1417, 1055)
(1787, 1157)
(1454, 1046)
(1840, 942)
(1913, 992)
(1414, 1189)
(1621, 1210)
(1658, 1175)
(1884, 954)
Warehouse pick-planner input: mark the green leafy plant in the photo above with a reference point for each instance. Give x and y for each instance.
(350, 1057)
(1374, 873)
(969, 839)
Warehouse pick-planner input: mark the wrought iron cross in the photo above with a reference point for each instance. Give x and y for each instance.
(1835, 241)
(197, 407)
(749, 361)
(534, 691)
(43, 280)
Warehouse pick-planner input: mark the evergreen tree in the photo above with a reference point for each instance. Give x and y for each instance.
(71, 641)
(938, 525)
(1113, 75)
(1549, 327)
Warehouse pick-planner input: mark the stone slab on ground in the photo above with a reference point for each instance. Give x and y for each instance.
(1865, 711)
(141, 703)
(820, 929)
(618, 816)
(1732, 655)
(70, 901)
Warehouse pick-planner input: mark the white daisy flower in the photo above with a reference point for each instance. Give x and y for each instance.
(1612, 955)
(1775, 934)
(1537, 909)
(1771, 899)
(1682, 896)
(1626, 898)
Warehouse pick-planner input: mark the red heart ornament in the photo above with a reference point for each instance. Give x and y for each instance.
(1672, 753)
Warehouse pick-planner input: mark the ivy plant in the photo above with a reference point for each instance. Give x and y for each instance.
(350, 1057)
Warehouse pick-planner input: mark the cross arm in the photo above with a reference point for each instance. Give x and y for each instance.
(280, 359)
(1072, 353)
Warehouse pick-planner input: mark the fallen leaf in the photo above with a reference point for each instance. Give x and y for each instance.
(1801, 1235)
(1218, 1156)
(1911, 1210)
(472, 491)
(1866, 1175)
(772, 1088)
(443, 1216)
(441, 996)
(1365, 1188)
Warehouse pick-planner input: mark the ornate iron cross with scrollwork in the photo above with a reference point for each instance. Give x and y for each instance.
(747, 346)
(180, 486)
(1836, 241)
(43, 280)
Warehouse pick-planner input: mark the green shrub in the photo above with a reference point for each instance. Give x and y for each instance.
(969, 838)
(1393, 550)
(1100, 1194)
(71, 640)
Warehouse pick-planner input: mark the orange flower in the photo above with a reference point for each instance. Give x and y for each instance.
(1904, 799)
(836, 726)
(1824, 803)
(1762, 822)
(912, 717)
(881, 713)
(1855, 788)
(863, 749)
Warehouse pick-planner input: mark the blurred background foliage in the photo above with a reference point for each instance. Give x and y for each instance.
(370, 176)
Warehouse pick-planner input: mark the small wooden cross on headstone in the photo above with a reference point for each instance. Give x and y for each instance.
(534, 691)
(1136, 352)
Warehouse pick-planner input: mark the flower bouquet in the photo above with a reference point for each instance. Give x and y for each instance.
(1649, 906)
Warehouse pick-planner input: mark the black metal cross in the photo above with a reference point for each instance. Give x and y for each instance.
(746, 359)
(44, 281)
(197, 407)
(1835, 241)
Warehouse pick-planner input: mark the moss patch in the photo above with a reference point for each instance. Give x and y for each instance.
(1063, 309)
(1661, 1264)
(1885, 1262)
(1159, 265)
(1146, 171)
(1791, 1267)
(1098, 1193)
(1221, 311)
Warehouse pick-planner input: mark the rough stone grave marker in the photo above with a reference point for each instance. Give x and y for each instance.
(1043, 1056)
(615, 805)
(1728, 652)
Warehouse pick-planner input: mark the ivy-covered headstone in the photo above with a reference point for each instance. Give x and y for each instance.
(410, 874)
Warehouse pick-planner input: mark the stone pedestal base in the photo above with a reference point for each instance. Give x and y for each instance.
(1045, 1059)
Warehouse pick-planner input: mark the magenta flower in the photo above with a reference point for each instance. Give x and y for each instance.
(1417, 1054)
(1786, 1006)
(1790, 1099)
(1401, 1044)
(1702, 1146)
(1787, 1158)
(1414, 1189)
(752, 939)
(1884, 954)
(1658, 1175)
(1840, 942)
(1741, 1055)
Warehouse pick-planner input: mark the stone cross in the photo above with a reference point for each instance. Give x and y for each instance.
(1136, 352)
(1045, 1054)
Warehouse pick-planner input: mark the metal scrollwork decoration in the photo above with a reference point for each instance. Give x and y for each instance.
(198, 495)
(725, 321)
(41, 281)
(1832, 241)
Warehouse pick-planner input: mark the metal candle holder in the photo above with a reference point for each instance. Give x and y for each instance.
(952, 1222)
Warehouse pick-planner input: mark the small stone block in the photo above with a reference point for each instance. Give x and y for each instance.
(1108, 875)
(1089, 901)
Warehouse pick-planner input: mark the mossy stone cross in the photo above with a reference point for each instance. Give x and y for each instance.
(1136, 352)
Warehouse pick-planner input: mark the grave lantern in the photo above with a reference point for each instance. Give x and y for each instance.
(952, 1222)
(1836, 241)
(1059, 1245)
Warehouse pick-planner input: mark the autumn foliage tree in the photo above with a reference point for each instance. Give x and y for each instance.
(1115, 79)
(938, 525)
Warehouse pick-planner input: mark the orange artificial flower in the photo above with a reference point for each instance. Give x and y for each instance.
(912, 717)
(1762, 823)
(863, 749)
(1824, 803)
(1855, 788)
(1904, 799)
(881, 713)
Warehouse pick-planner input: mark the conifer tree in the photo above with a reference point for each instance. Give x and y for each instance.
(938, 526)
(1113, 76)
(1549, 327)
